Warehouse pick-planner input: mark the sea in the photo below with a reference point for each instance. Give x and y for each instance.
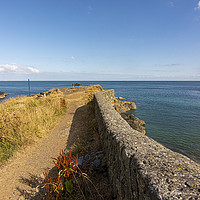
(171, 110)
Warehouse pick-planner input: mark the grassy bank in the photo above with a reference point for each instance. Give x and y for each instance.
(23, 119)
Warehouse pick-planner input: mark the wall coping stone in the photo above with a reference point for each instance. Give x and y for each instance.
(138, 166)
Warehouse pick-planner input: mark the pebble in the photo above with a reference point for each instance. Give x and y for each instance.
(190, 183)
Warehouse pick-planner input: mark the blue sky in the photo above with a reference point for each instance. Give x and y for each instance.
(100, 40)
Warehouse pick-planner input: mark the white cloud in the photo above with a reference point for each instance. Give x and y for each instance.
(73, 58)
(198, 6)
(8, 68)
(14, 68)
(34, 70)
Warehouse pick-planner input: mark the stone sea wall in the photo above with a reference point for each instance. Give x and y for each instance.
(138, 166)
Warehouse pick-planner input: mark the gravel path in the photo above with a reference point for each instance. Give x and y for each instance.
(21, 177)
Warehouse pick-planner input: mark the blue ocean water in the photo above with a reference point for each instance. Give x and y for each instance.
(171, 110)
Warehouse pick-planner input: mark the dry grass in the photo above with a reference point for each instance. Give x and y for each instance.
(91, 90)
(23, 119)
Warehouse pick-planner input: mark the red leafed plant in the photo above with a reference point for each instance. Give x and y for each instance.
(69, 176)
(66, 164)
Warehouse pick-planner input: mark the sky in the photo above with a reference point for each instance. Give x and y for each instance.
(100, 40)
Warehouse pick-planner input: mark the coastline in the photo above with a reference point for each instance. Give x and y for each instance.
(162, 105)
(130, 154)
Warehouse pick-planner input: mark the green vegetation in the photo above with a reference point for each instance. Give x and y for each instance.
(71, 182)
(24, 119)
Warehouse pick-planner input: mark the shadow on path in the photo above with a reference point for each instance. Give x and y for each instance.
(83, 135)
(83, 138)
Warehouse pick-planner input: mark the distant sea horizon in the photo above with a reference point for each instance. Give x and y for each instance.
(171, 109)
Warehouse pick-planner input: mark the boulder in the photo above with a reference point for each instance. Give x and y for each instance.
(124, 106)
(2, 95)
(134, 122)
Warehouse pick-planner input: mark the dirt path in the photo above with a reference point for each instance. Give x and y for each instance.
(22, 175)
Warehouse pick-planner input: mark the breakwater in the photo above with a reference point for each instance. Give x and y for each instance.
(138, 166)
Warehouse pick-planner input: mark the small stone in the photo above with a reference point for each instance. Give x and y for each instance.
(87, 157)
(37, 189)
(80, 160)
(21, 198)
(42, 176)
(97, 163)
(190, 183)
(99, 152)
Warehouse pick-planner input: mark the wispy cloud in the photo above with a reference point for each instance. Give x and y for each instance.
(90, 9)
(73, 58)
(167, 65)
(171, 4)
(69, 59)
(14, 68)
(34, 70)
(198, 6)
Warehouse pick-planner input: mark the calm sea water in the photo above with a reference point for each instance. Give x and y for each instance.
(171, 110)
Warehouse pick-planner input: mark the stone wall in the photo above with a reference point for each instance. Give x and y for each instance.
(138, 166)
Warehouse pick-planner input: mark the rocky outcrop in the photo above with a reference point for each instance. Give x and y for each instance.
(76, 84)
(134, 122)
(122, 107)
(2, 95)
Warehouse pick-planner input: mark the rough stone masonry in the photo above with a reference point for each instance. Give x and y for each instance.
(139, 167)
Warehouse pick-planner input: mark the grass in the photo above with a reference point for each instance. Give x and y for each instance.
(23, 119)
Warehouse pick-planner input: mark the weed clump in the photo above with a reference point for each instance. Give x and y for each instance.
(71, 182)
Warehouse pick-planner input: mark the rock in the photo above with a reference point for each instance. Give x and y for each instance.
(80, 160)
(123, 106)
(134, 122)
(190, 183)
(37, 189)
(41, 95)
(42, 176)
(76, 84)
(121, 98)
(2, 95)
(48, 93)
(94, 162)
